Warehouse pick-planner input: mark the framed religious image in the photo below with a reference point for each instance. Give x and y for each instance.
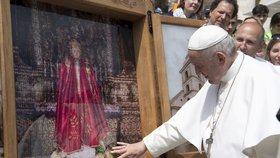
(77, 81)
(178, 81)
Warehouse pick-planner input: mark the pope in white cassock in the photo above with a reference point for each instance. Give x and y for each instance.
(232, 116)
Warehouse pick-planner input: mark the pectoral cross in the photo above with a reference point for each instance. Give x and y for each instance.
(209, 142)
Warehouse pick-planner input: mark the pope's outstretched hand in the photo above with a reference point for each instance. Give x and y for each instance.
(126, 150)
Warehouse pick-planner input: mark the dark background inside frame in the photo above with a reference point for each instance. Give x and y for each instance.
(41, 33)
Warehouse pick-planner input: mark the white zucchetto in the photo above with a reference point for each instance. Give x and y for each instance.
(206, 36)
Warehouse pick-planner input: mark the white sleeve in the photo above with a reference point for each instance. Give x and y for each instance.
(164, 138)
(267, 148)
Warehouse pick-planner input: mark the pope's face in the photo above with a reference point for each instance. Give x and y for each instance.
(221, 15)
(209, 66)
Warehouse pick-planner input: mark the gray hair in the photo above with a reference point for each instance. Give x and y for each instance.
(226, 45)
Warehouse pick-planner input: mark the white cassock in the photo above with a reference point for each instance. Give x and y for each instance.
(269, 147)
(247, 117)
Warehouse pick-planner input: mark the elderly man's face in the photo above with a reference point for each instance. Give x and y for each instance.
(221, 15)
(209, 66)
(248, 38)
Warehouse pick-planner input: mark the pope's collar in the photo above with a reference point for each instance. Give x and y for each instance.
(233, 68)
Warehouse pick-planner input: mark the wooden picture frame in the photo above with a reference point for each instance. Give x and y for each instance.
(171, 37)
(133, 11)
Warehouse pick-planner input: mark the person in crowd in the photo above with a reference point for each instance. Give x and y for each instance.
(249, 38)
(229, 114)
(221, 11)
(173, 5)
(158, 11)
(189, 9)
(274, 27)
(252, 19)
(239, 22)
(206, 16)
(273, 49)
(232, 25)
(270, 144)
(260, 11)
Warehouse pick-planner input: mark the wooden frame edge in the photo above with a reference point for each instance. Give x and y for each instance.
(161, 72)
(8, 86)
(158, 20)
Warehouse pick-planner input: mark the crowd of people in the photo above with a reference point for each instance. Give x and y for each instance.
(193, 9)
(234, 113)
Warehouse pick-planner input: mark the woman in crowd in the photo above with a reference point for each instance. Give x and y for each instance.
(273, 49)
(188, 9)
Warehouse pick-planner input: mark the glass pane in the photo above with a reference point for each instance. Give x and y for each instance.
(75, 79)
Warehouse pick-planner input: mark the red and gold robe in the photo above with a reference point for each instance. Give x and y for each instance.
(80, 116)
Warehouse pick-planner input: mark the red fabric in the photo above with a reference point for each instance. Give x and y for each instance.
(79, 117)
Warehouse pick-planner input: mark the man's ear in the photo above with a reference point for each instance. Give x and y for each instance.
(221, 57)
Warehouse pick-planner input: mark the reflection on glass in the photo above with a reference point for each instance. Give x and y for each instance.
(80, 117)
(75, 79)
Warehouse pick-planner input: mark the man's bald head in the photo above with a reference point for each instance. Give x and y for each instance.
(249, 38)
